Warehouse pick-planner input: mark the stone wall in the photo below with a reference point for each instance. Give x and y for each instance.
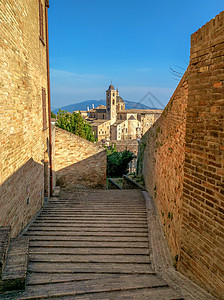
(163, 148)
(78, 162)
(202, 242)
(182, 157)
(131, 145)
(23, 74)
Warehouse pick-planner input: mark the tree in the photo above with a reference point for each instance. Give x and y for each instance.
(117, 162)
(53, 115)
(75, 123)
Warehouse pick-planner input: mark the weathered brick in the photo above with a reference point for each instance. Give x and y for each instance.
(77, 162)
(197, 184)
(23, 74)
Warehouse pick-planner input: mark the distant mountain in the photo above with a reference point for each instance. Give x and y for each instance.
(89, 103)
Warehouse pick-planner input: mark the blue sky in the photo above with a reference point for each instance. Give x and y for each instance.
(131, 43)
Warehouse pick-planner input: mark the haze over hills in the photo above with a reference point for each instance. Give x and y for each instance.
(89, 103)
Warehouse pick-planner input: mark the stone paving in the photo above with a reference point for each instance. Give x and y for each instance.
(101, 244)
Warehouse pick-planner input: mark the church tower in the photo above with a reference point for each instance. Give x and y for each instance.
(111, 100)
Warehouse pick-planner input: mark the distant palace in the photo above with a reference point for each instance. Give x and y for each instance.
(114, 122)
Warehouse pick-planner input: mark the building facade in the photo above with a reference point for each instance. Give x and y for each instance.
(24, 121)
(124, 124)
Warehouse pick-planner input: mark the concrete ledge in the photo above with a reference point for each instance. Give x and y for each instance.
(128, 183)
(162, 261)
(15, 271)
(112, 185)
(4, 246)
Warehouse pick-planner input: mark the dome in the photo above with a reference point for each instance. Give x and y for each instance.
(111, 87)
(119, 99)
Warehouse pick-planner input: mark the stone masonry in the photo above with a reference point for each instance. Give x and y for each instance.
(78, 162)
(163, 147)
(24, 140)
(183, 162)
(202, 238)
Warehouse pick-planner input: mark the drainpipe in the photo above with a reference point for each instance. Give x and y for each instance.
(49, 97)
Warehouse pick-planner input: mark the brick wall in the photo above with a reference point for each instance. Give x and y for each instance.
(78, 162)
(23, 74)
(163, 148)
(182, 157)
(202, 244)
(131, 145)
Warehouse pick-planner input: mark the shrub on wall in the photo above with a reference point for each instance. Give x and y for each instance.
(117, 162)
(74, 123)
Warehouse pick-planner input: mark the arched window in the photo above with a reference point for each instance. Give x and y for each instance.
(113, 101)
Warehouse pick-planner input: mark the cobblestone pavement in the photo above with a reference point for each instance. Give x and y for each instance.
(101, 244)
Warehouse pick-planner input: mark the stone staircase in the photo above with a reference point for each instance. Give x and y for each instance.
(93, 245)
(13, 261)
(100, 244)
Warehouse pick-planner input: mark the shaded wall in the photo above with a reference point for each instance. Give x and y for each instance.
(162, 149)
(182, 157)
(23, 74)
(202, 243)
(78, 162)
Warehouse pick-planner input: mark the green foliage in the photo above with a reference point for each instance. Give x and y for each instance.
(111, 149)
(75, 123)
(117, 162)
(53, 115)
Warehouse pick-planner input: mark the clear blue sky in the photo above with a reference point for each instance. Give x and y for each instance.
(131, 42)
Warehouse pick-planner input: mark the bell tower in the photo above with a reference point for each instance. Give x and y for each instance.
(111, 101)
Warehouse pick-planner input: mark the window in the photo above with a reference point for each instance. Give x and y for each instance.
(41, 21)
(44, 108)
(113, 101)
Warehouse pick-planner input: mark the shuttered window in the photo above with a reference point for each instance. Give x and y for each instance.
(41, 21)
(44, 108)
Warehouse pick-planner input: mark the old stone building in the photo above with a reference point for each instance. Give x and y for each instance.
(24, 120)
(124, 124)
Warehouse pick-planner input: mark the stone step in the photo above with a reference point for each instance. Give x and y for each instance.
(97, 286)
(80, 238)
(88, 230)
(94, 208)
(15, 271)
(157, 293)
(66, 258)
(39, 278)
(121, 208)
(99, 220)
(64, 232)
(84, 244)
(95, 225)
(97, 205)
(98, 268)
(88, 251)
(140, 285)
(4, 246)
(92, 214)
